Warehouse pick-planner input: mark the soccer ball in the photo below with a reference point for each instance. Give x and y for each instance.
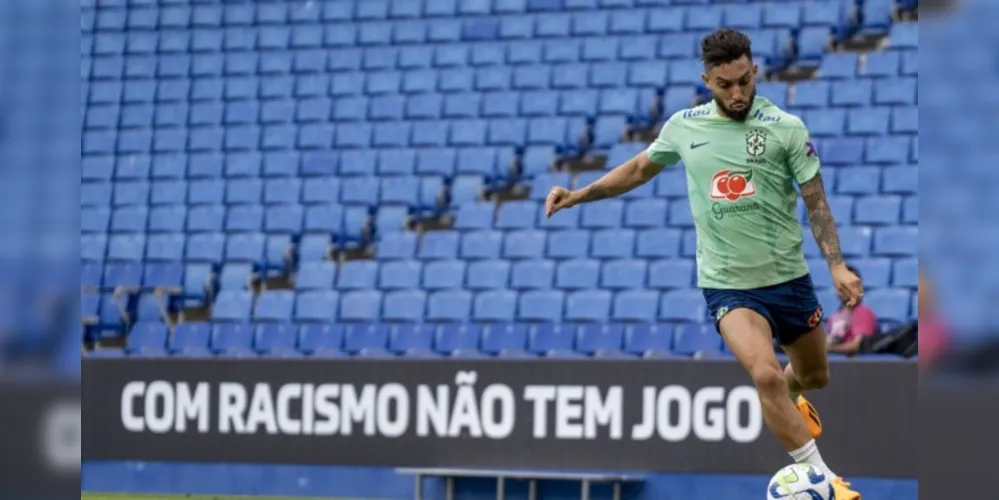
(800, 482)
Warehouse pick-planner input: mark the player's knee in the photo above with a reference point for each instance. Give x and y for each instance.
(769, 380)
(815, 379)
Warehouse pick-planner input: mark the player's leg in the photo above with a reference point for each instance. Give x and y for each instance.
(797, 315)
(749, 336)
(807, 370)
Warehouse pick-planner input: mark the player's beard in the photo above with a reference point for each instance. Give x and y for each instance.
(737, 115)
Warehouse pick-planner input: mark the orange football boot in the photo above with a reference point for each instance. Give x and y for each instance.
(842, 489)
(811, 416)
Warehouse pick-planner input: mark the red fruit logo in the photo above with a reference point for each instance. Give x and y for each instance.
(732, 185)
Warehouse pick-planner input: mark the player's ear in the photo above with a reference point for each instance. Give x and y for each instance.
(704, 78)
(756, 68)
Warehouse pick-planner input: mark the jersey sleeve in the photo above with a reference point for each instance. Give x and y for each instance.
(665, 150)
(802, 158)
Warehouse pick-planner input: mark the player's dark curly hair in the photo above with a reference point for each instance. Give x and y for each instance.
(724, 46)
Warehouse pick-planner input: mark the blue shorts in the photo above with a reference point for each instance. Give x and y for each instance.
(791, 308)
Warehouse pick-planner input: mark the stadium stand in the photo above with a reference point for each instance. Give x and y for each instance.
(363, 178)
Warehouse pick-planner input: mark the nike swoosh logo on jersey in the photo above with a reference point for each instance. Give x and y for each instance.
(696, 145)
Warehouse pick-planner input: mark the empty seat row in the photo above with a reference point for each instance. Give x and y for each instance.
(291, 219)
(282, 339)
(861, 121)
(576, 81)
(855, 92)
(368, 190)
(867, 210)
(571, 274)
(238, 28)
(501, 305)
(386, 107)
(313, 114)
(403, 134)
(469, 133)
(891, 241)
(317, 169)
(889, 64)
(308, 112)
(309, 164)
(201, 208)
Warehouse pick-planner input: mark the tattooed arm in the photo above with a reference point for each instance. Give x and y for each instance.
(627, 176)
(823, 226)
(633, 173)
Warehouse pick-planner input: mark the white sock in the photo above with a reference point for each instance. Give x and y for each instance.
(809, 454)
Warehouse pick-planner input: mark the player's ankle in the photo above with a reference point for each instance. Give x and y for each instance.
(809, 453)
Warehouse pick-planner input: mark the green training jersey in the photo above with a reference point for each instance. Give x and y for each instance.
(740, 181)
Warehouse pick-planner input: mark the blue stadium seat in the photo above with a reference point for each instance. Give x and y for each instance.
(488, 274)
(642, 214)
(876, 17)
(474, 215)
(396, 245)
(357, 275)
(477, 245)
(443, 274)
(439, 245)
(361, 305)
(812, 44)
(593, 338)
(682, 305)
(671, 273)
(232, 339)
(452, 338)
(623, 274)
(693, 339)
(399, 274)
(612, 243)
(449, 305)
(316, 306)
(232, 305)
(404, 306)
(275, 338)
(147, 338)
(588, 306)
(540, 305)
(274, 305)
(494, 306)
(543, 338)
(404, 338)
(365, 336)
(496, 338)
(658, 243)
(190, 339)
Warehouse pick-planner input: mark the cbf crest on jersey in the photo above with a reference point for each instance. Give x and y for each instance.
(756, 143)
(756, 146)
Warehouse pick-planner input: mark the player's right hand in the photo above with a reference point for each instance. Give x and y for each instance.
(558, 199)
(848, 285)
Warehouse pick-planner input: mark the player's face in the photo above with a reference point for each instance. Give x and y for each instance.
(733, 86)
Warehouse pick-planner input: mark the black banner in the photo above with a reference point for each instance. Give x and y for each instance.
(957, 436)
(40, 431)
(674, 415)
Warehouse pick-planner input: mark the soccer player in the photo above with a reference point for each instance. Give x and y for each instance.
(742, 156)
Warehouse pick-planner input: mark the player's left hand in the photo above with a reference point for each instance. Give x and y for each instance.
(847, 284)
